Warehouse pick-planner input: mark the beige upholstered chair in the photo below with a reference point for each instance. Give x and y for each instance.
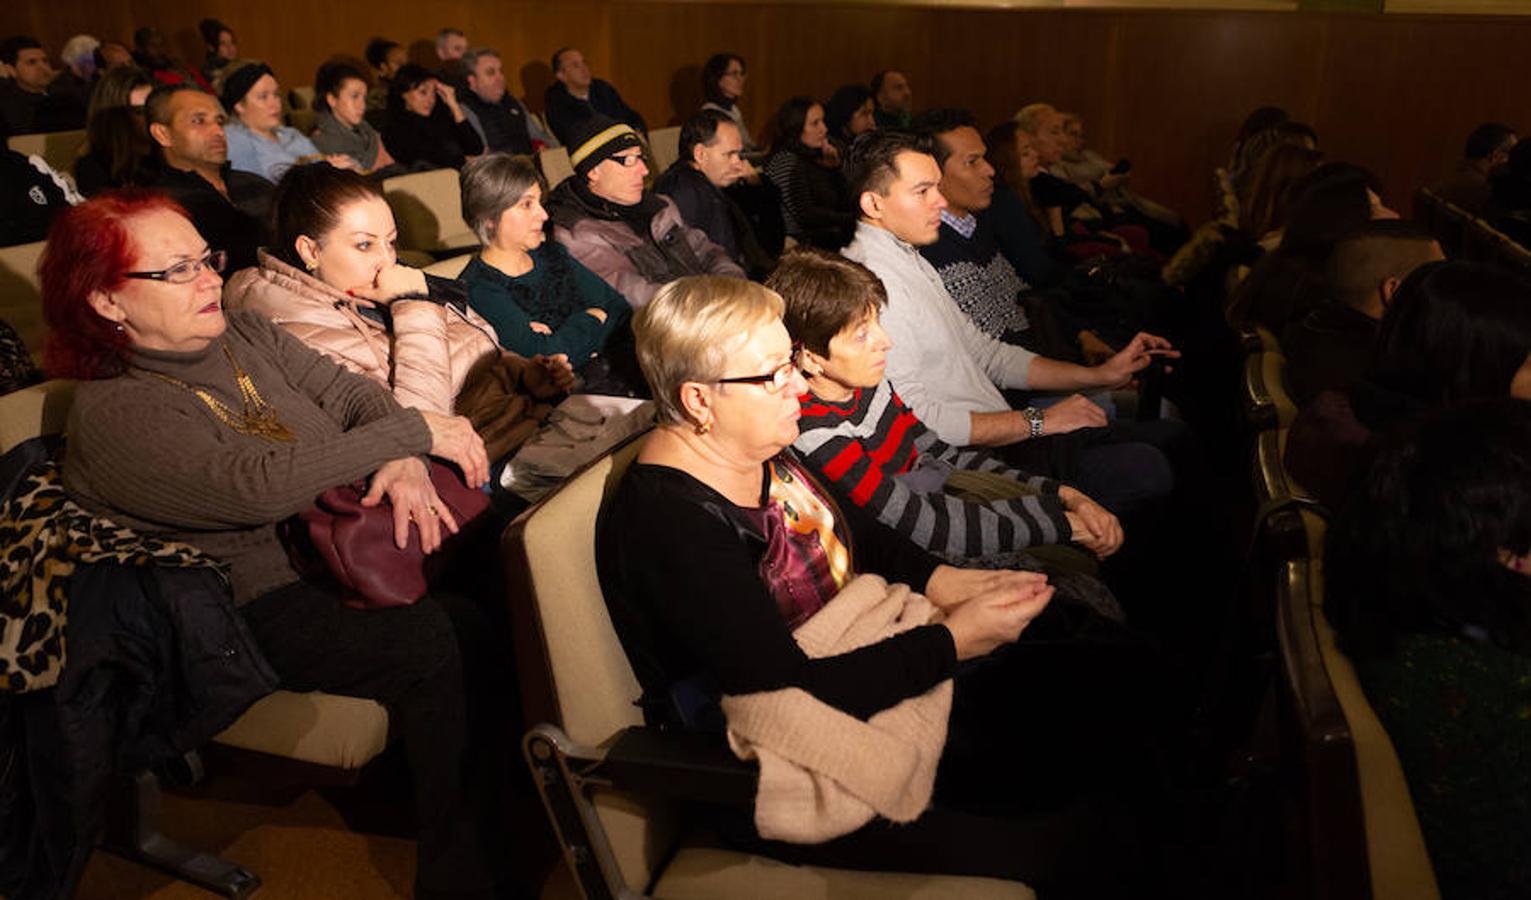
(555, 165)
(58, 149)
(301, 97)
(628, 840)
(664, 143)
(451, 267)
(21, 304)
(427, 207)
(315, 737)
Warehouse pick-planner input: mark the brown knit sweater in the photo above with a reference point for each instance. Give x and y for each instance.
(152, 456)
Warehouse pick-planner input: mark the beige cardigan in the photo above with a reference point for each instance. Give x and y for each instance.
(824, 773)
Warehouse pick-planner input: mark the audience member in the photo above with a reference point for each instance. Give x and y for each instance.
(895, 100)
(210, 429)
(1262, 217)
(723, 77)
(427, 127)
(1428, 584)
(26, 104)
(805, 167)
(78, 80)
(386, 58)
(1455, 332)
(1110, 185)
(150, 54)
(229, 207)
(1024, 230)
(577, 96)
(502, 121)
(745, 522)
(340, 99)
(950, 373)
(1044, 126)
(31, 195)
(1511, 187)
(539, 299)
(1253, 150)
(1260, 119)
(962, 505)
(451, 44)
(117, 151)
(112, 54)
(850, 113)
(1329, 348)
(222, 49)
(1468, 186)
(1330, 202)
(258, 141)
(633, 239)
(331, 273)
(711, 160)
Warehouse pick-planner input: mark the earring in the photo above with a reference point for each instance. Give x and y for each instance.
(117, 326)
(704, 428)
(312, 265)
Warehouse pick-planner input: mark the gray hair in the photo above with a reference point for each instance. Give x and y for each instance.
(77, 48)
(470, 59)
(492, 184)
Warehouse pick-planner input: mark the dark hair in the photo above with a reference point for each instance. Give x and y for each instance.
(558, 57)
(143, 35)
(1378, 250)
(309, 200)
(1487, 138)
(115, 88)
(823, 294)
(330, 78)
(1416, 548)
(1282, 167)
(1293, 132)
(212, 30)
(409, 77)
(11, 47)
(787, 124)
(1262, 118)
(701, 129)
(1327, 204)
(377, 51)
(843, 104)
(116, 137)
(1000, 152)
(712, 73)
(935, 122)
(156, 106)
(878, 79)
(1455, 332)
(872, 163)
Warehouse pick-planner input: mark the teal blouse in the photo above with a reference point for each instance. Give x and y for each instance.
(555, 293)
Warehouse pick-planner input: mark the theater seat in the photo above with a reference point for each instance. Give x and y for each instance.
(58, 148)
(613, 788)
(1267, 403)
(21, 304)
(301, 97)
(427, 207)
(324, 729)
(450, 267)
(555, 165)
(664, 143)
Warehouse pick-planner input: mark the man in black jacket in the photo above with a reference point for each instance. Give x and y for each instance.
(577, 96)
(711, 160)
(228, 207)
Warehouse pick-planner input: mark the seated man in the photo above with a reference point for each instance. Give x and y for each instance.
(711, 148)
(894, 100)
(150, 54)
(633, 239)
(229, 208)
(1469, 186)
(386, 58)
(451, 45)
(27, 103)
(502, 121)
(950, 373)
(577, 96)
(1328, 349)
(963, 505)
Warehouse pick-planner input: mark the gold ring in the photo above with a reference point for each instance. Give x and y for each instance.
(434, 510)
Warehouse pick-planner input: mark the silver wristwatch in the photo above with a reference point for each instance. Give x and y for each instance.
(1034, 416)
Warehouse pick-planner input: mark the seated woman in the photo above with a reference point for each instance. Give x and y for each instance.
(1429, 587)
(1455, 332)
(207, 428)
(258, 141)
(963, 505)
(1263, 217)
(117, 147)
(723, 77)
(850, 113)
(751, 549)
(333, 281)
(805, 167)
(539, 299)
(427, 128)
(340, 98)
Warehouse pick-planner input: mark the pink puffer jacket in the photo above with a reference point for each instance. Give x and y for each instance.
(424, 359)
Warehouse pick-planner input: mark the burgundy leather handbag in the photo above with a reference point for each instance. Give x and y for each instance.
(353, 544)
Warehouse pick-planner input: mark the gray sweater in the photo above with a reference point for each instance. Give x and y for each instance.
(943, 367)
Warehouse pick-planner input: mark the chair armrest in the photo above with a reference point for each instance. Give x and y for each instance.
(682, 765)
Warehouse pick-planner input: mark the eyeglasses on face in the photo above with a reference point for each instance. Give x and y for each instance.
(185, 271)
(628, 161)
(776, 379)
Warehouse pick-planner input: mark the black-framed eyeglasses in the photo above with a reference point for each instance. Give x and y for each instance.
(627, 162)
(776, 379)
(186, 270)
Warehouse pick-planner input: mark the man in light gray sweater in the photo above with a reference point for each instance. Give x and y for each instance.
(950, 373)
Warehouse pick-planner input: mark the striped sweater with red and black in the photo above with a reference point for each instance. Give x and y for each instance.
(875, 453)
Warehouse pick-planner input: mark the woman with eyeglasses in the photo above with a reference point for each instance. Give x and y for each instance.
(717, 546)
(723, 78)
(210, 428)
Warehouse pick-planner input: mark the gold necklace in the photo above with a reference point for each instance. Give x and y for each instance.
(258, 417)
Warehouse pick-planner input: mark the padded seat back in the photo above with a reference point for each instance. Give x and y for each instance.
(555, 165)
(450, 267)
(427, 207)
(664, 143)
(21, 302)
(33, 411)
(301, 97)
(58, 149)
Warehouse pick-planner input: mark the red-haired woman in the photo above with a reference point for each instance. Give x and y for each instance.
(210, 428)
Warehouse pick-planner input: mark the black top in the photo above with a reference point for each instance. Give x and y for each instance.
(25, 112)
(504, 123)
(815, 199)
(679, 565)
(1021, 238)
(701, 204)
(1049, 190)
(236, 223)
(1327, 350)
(29, 199)
(564, 110)
(434, 140)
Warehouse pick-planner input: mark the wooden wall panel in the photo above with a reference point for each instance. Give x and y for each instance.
(1165, 88)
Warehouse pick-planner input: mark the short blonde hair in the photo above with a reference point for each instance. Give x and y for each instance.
(1030, 117)
(688, 330)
